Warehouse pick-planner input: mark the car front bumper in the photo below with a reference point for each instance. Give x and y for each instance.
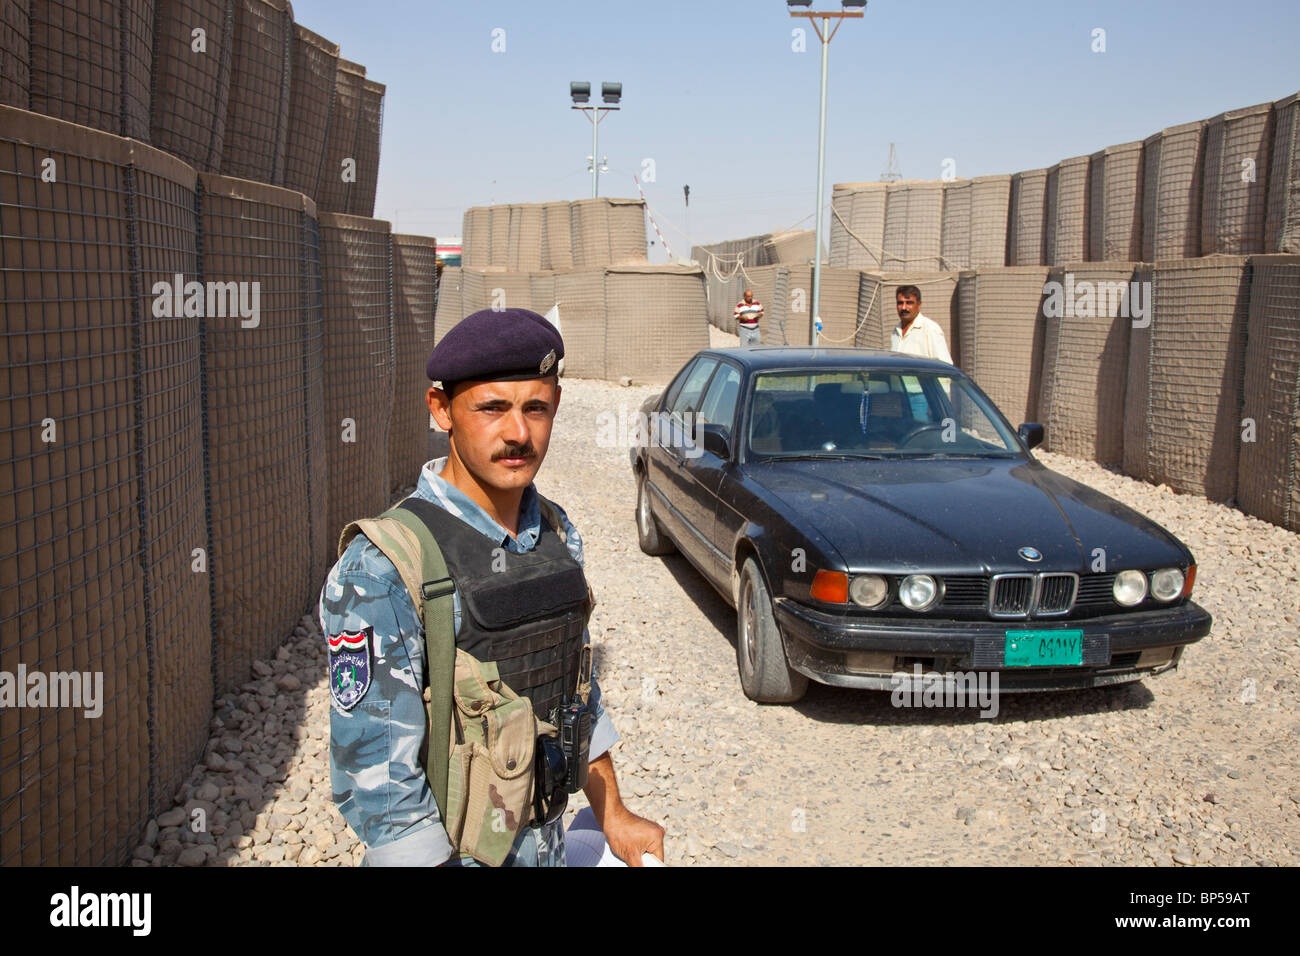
(852, 651)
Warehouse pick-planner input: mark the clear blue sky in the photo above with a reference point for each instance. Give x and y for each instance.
(714, 93)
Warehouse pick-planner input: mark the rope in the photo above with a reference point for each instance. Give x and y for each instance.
(853, 336)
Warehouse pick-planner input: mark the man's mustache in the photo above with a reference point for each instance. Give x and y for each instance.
(516, 451)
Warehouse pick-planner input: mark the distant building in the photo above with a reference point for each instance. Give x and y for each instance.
(449, 251)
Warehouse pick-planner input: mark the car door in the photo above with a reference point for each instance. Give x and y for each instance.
(707, 469)
(667, 458)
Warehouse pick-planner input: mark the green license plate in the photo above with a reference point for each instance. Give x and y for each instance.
(1043, 648)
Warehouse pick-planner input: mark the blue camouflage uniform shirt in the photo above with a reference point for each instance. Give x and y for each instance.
(375, 772)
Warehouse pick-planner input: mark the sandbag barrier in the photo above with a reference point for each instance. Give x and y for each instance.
(1088, 313)
(415, 269)
(90, 62)
(1183, 406)
(257, 404)
(1268, 479)
(357, 276)
(191, 90)
(311, 101)
(257, 111)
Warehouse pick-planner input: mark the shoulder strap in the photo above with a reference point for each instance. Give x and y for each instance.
(407, 542)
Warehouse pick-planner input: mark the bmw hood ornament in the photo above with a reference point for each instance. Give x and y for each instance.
(1031, 554)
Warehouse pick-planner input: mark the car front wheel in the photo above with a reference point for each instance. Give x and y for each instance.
(760, 656)
(648, 534)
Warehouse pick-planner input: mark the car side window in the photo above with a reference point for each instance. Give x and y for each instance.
(719, 405)
(686, 405)
(675, 388)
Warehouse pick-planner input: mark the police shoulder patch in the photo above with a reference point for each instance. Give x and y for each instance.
(351, 666)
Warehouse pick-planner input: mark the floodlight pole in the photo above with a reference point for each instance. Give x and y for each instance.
(596, 115)
(825, 34)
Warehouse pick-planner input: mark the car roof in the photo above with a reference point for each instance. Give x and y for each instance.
(763, 357)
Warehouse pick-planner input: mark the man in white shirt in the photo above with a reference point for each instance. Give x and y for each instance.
(916, 334)
(748, 312)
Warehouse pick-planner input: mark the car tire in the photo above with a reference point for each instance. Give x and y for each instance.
(765, 676)
(648, 533)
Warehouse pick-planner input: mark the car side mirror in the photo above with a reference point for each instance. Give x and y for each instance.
(716, 440)
(1031, 433)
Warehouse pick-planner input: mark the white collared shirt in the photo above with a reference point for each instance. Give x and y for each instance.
(924, 338)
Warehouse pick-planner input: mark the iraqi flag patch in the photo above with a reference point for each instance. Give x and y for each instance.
(350, 666)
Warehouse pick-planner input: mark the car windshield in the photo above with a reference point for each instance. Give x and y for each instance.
(874, 413)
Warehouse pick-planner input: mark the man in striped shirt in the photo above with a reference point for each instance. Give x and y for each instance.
(748, 312)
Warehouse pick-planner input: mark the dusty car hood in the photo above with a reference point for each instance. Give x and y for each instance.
(962, 516)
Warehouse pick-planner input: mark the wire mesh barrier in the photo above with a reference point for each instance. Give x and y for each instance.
(1025, 218)
(654, 320)
(256, 400)
(316, 432)
(370, 125)
(356, 271)
(955, 241)
(1268, 481)
(311, 99)
(1065, 212)
(1282, 225)
(557, 236)
(73, 789)
(1001, 332)
(1085, 358)
(913, 226)
(1115, 204)
(191, 87)
(581, 295)
(608, 231)
(857, 228)
(541, 291)
(338, 164)
(15, 53)
(1234, 199)
(89, 63)
(257, 112)
(938, 303)
(450, 308)
(989, 207)
(525, 252)
(1185, 377)
(1172, 163)
(415, 269)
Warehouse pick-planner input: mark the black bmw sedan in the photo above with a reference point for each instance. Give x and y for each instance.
(871, 514)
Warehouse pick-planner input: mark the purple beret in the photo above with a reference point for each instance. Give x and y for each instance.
(506, 346)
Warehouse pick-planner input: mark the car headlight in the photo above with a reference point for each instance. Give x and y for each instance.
(869, 590)
(1130, 588)
(1166, 584)
(918, 591)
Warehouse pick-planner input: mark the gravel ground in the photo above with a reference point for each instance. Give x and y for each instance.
(1194, 767)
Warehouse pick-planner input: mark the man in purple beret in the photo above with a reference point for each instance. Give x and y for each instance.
(520, 600)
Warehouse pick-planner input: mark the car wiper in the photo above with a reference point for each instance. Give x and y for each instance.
(829, 456)
(974, 455)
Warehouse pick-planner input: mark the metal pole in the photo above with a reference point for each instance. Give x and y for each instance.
(821, 175)
(595, 152)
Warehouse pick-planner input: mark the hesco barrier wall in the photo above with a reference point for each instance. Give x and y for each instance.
(557, 236)
(913, 226)
(1268, 481)
(792, 246)
(581, 295)
(938, 302)
(90, 63)
(324, 552)
(73, 789)
(333, 193)
(1001, 331)
(608, 231)
(857, 225)
(415, 276)
(1234, 198)
(541, 291)
(1085, 359)
(370, 125)
(356, 271)
(525, 252)
(1025, 217)
(955, 244)
(654, 320)
(15, 53)
(1115, 204)
(257, 113)
(191, 90)
(1282, 226)
(311, 99)
(1065, 212)
(990, 205)
(1185, 376)
(840, 309)
(257, 399)
(1172, 162)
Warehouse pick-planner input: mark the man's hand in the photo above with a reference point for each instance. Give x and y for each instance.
(627, 834)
